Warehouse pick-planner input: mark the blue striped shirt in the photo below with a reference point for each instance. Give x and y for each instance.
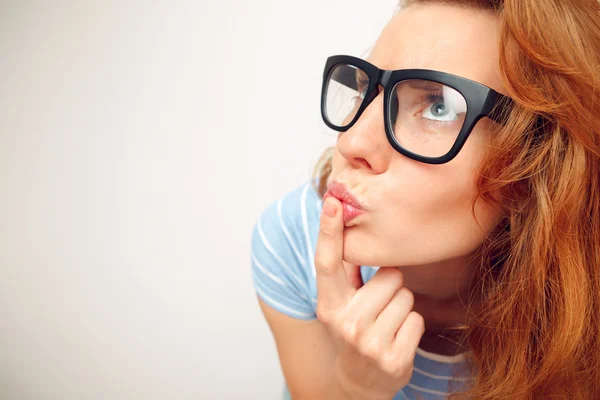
(283, 273)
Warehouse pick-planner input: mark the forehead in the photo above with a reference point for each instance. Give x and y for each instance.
(446, 38)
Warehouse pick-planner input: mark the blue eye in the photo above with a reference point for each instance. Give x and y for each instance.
(439, 110)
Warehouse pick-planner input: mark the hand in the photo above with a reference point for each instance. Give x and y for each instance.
(373, 328)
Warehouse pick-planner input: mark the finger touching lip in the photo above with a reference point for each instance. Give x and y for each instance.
(350, 211)
(343, 194)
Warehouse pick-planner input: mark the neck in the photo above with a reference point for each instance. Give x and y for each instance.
(441, 295)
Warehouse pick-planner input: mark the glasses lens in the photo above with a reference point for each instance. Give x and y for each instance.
(344, 93)
(426, 116)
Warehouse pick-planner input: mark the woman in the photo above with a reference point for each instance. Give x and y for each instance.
(457, 251)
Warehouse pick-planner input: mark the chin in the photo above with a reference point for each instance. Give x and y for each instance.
(359, 248)
(362, 247)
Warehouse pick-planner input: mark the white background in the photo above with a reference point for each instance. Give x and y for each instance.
(139, 142)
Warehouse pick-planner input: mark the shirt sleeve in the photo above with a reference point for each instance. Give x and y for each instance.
(280, 261)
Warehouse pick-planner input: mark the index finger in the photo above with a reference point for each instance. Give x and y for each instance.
(333, 287)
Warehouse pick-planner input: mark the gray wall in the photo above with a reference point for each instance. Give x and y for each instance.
(139, 141)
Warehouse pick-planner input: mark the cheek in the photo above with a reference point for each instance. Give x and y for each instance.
(456, 220)
(423, 213)
(487, 215)
(428, 215)
(431, 225)
(449, 196)
(337, 162)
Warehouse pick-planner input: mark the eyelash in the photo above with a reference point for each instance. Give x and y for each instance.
(434, 98)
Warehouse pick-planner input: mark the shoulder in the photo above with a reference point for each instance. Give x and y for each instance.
(301, 204)
(290, 221)
(282, 245)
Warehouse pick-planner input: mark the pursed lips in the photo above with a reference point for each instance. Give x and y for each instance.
(350, 205)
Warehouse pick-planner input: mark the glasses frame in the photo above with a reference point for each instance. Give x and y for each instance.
(482, 101)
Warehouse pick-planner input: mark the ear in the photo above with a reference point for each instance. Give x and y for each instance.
(354, 275)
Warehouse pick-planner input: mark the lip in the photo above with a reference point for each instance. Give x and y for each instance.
(351, 206)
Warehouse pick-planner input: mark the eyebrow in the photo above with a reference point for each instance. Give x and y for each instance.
(425, 85)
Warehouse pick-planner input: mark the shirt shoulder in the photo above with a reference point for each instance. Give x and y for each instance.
(282, 252)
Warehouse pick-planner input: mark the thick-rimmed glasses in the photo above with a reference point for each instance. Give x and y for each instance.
(428, 114)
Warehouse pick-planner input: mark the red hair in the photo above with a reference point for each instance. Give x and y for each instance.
(537, 332)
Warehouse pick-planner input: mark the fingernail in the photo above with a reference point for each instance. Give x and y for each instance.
(329, 207)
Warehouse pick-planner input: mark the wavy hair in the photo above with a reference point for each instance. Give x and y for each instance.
(537, 332)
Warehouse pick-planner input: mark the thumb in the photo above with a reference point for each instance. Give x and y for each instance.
(354, 275)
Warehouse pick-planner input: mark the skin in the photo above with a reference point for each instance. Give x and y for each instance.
(419, 218)
(418, 228)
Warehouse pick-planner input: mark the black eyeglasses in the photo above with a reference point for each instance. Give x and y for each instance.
(428, 114)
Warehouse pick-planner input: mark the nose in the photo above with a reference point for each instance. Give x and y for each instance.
(365, 144)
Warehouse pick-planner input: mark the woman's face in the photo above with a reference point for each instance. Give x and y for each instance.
(419, 213)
